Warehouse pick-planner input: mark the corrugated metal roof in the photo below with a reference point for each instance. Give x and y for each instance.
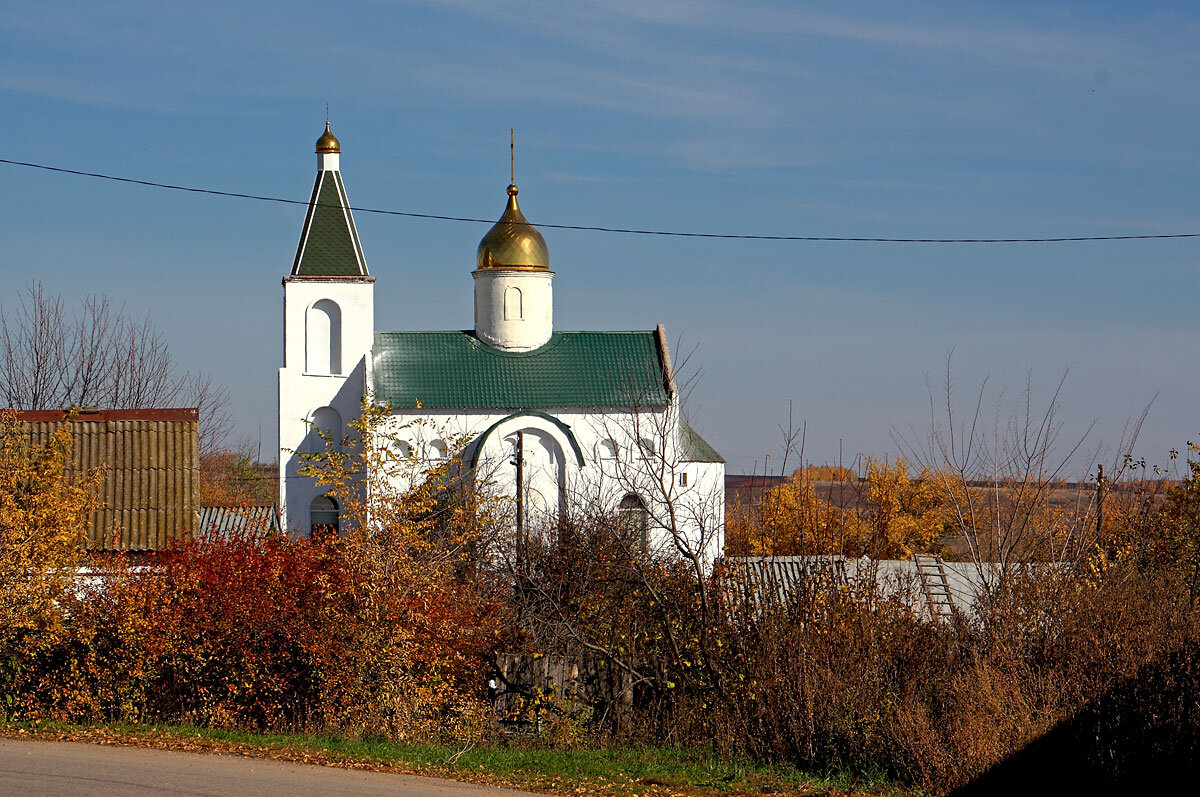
(778, 578)
(92, 414)
(151, 458)
(231, 521)
(454, 370)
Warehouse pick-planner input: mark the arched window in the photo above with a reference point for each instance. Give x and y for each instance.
(634, 520)
(437, 451)
(647, 446)
(514, 306)
(323, 516)
(326, 425)
(606, 449)
(323, 338)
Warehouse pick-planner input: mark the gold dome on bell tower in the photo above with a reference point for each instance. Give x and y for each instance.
(328, 141)
(513, 242)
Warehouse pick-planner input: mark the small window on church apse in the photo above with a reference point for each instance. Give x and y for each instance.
(634, 520)
(514, 306)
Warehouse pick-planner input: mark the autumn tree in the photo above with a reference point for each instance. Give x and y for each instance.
(825, 473)
(43, 515)
(889, 513)
(904, 514)
(1157, 526)
(789, 519)
(233, 476)
(418, 541)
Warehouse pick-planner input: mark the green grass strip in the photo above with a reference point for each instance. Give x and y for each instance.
(520, 763)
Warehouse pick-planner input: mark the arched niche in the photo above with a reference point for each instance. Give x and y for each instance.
(486, 447)
(323, 338)
(325, 428)
(514, 304)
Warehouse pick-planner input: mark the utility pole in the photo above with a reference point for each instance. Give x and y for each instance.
(520, 463)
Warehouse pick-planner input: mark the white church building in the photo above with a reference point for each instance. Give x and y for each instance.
(552, 418)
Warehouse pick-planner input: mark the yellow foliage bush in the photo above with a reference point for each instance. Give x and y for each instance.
(44, 510)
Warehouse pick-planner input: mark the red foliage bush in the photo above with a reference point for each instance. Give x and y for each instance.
(270, 633)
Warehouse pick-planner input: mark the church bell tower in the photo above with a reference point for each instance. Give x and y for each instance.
(328, 329)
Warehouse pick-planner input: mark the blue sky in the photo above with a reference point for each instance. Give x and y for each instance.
(851, 118)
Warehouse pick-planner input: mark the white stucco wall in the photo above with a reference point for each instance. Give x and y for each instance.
(514, 321)
(328, 161)
(555, 479)
(302, 392)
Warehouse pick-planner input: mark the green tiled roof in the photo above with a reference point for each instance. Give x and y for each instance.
(454, 370)
(695, 448)
(329, 245)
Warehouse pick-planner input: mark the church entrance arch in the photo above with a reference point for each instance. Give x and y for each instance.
(537, 451)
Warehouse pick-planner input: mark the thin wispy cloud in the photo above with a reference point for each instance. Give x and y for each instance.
(84, 91)
(980, 38)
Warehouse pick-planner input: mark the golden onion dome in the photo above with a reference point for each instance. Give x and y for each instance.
(328, 141)
(513, 242)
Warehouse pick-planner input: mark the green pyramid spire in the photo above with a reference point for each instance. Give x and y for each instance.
(329, 245)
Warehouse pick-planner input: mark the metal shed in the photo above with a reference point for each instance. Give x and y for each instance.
(151, 461)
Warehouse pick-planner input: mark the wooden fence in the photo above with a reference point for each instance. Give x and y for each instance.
(528, 690)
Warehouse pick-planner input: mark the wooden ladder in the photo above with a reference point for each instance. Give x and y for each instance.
(933, 582)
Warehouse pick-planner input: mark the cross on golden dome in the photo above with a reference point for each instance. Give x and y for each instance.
(513, 242)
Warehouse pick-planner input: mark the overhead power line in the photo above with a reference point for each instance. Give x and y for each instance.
(622, 230)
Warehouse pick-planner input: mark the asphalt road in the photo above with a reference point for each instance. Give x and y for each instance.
(38, 769)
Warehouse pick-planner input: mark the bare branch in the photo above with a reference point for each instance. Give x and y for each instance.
(97, 356)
